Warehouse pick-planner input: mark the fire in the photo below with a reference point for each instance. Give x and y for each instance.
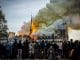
(34, 29)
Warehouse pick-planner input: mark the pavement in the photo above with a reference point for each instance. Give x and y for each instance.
(43, 59)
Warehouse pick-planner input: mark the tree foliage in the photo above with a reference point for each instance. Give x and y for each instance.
(3, 25)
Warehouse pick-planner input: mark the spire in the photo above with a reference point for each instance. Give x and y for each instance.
(31, 25)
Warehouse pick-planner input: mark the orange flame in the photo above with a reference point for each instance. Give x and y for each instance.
(34, 29)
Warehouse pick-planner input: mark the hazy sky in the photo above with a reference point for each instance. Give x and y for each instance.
(19, 11)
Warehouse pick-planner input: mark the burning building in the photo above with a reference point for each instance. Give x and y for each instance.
(45, 20)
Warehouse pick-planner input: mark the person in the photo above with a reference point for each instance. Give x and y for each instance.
(31, 49)
(51, 53)
(8, 50)
(43, 46)
(2, 51)
(14, 50)
(25, 52)
(76, 52)
(19, 55)
(37, 50)
(65, 49)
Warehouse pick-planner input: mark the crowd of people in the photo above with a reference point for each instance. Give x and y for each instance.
(40, 50)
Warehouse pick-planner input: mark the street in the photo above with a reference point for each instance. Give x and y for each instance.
(44, 59)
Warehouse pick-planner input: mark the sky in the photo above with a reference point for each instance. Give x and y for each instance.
(19, 11)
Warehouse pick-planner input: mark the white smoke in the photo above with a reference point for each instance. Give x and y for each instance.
(52, 16)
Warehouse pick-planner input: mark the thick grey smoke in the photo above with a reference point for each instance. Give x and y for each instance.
(53, 12)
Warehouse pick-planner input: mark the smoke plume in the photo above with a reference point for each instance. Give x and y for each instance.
(54, 11)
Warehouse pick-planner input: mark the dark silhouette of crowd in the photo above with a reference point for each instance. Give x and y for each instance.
(71, 50)
(40, 50)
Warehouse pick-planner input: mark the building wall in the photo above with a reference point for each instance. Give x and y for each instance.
(11, 35)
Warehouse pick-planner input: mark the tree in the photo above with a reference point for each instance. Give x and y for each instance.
(3, 25)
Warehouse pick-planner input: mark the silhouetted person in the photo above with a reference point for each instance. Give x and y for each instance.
(51, 53)
(25, 53)
(37, 50)
(8, 50)
(20, 45)
(76, 52)
(14, 50)
(2, 51)
(31, 49)
(19, 55)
